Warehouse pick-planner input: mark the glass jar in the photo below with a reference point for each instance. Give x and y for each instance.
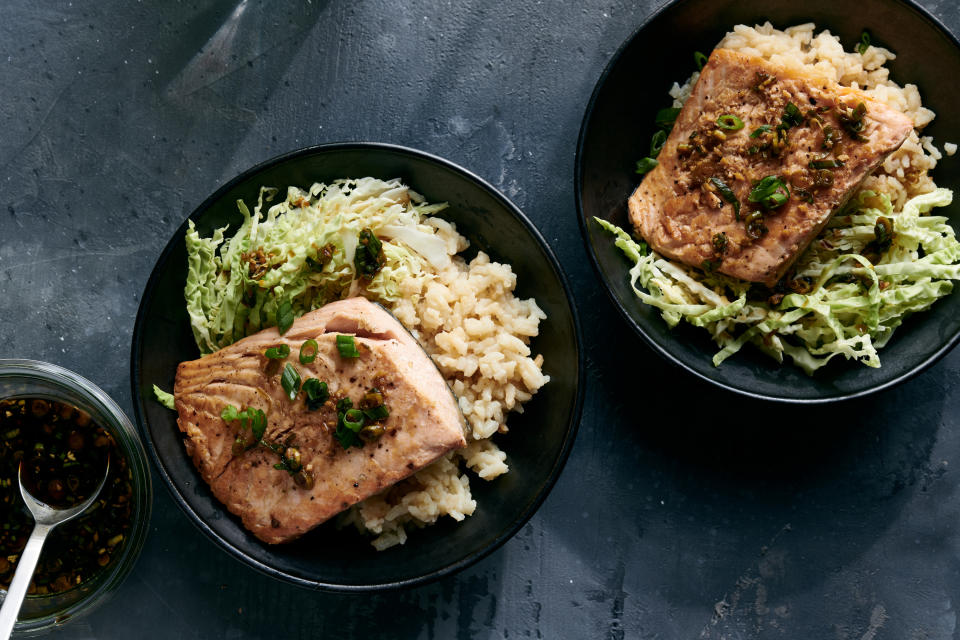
(33, 379)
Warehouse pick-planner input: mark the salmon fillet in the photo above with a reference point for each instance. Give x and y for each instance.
(424, 420)
(803, 129)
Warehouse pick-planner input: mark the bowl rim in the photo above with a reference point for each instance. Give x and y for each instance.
(132, 444)
(663, 351)
(573, 421)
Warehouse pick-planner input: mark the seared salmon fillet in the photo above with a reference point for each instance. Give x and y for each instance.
(278, 505)
(759, 158)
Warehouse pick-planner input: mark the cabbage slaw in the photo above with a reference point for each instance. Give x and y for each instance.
(228, 299)
(853, 306)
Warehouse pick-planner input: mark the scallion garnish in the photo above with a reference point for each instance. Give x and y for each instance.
(369, 257)
(791, 115)
(656, 144)
(377, 413)
(284, 316)
(759, 131)
(308, 351)
(353, 419)
(730, 122)
(699, 59)
(278, 352)
(316, 393)
(727, 194)
(646, 164)
(229, 413)
(771, 192)
(666, 117)
(825, 164)
(347, 347)
(864, 43)
(290, 381)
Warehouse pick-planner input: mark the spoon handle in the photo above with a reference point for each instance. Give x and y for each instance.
(21, 579)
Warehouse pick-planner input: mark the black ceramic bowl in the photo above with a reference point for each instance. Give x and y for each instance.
(616, 132)
(536, 446)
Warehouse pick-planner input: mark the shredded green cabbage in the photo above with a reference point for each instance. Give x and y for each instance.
(228, 297)
(853, 306)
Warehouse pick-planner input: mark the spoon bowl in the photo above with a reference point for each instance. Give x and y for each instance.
(46, 518)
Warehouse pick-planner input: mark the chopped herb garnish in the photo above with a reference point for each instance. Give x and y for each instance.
(825, 164)
(284, 316)
(324, 255)
(646, 164)
(804, 195)
(730, 122)
(759, 131)
(316, 393)
(727, 194)
(377, 413)
(852, 121)
(666, 117)
(791, 116)
(229, 413)
(278, 352)
(699, 59)
(656, 144)
(353, 419)
(755, 226)
(771, 192)
(369, 257)
(290, 381)
(720, 242)
(347, 347)
(308, 351)
(864, 43)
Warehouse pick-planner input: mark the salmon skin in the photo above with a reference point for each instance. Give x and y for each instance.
(424, 421)
(749, 126)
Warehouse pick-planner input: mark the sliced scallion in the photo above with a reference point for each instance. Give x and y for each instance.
(727, 194)
(290, 381)
(277, 353)
(762, 129)
(308, 351)
(730, 122)
(316, 393)
(771, 192)
(347, 347)
(656, 144)
(353, 419)
(864, 43)
(645, 164)
(699, 59)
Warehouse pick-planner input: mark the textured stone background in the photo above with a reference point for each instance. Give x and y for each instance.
(119, 117)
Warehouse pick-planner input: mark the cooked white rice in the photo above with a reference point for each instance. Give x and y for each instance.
(477, 332)
(904, 172)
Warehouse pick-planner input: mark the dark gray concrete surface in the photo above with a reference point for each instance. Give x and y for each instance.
(119, 117)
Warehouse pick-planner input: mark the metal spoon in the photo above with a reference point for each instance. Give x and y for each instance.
(46, 518)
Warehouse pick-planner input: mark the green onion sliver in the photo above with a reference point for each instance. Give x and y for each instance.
(316, 392)
(762, 129)
(277, 353)
(730, 122)
(727, 194)
(699, 59)
(377, 413)
(646, 164)
(864, 43)
(308, 351)
(666, 117)
(771, 192)
(230, 413)
(347, 347)
(290, 381)
(656, 144)
(353, 419)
